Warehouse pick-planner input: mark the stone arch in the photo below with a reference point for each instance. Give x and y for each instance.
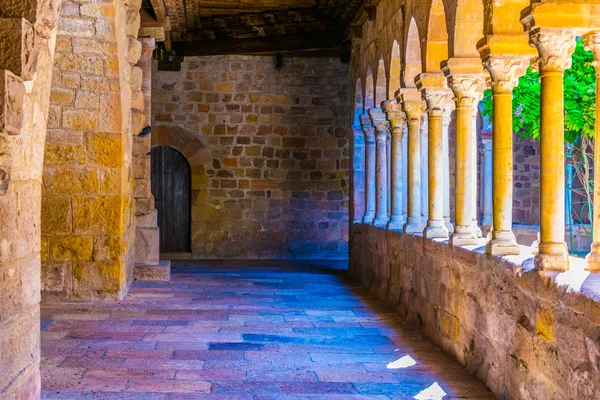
(412, 56)
(436, 44)
(464, 21)
(369, 98)
(184, 141)
(395, 70)
(381, 83)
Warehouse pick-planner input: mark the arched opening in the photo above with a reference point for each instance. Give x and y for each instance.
(436, 50)
(369, 100)
(395, 71)
(381, 86)
(171, 187)
(412, 59)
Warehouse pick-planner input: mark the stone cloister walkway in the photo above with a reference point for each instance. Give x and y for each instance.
(239, 331)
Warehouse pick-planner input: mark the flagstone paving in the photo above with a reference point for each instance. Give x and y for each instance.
(242, 331)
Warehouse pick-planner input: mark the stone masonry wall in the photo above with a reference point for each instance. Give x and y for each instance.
(87, 223)
(519, 332)
(27, 40)
(275, 181)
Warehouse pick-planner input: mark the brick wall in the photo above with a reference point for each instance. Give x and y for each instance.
(275, 180)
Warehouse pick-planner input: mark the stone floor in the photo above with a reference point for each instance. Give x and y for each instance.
(243, 331)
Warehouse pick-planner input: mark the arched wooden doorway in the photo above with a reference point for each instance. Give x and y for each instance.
(171, 187)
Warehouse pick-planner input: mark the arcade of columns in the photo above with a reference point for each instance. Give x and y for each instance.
(452, 79)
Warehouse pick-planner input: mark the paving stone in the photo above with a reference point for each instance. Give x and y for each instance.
(221, 335)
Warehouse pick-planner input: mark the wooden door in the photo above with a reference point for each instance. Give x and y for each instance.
(171, 187)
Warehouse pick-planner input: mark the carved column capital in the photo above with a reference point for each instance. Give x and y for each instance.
(379, 120)
(468, 89)
(591, 41)
(367, 126)
(396, 117)
(505, 71)
(436, 100)
(555, 47)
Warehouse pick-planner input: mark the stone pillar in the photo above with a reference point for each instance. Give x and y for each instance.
(592, 42)
(388, 147)
(435, 99)
(468, 91)
(369, 131)
(358, 174)
(148, 265)
(475, 174)
(446, 119)
(555, 48)
(405, 172)
(505, 72)
(486, 178)
(413, 107)
(397, 119)
(381, 128)
(424, 167)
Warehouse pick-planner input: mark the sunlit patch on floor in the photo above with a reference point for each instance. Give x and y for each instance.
(404, 362)
(433, 392)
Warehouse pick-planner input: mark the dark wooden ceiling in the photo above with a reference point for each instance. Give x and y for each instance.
(208, 27)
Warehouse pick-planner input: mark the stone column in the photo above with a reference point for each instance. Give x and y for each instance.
(381, 128)
(486, 178)
(388, 147)
(424, 167)
(369, 131)
(555, 48)
(358, 174)
(435, 99)
(468, 91)
(475, 174)
(413, 107)
(592, 42)
(397, 119)
(446, 119)
(505, 72)
(405, 172)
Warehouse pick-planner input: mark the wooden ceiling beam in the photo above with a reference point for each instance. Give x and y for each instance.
(259, 46)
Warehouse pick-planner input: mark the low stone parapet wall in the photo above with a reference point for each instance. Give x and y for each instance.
(525, 334)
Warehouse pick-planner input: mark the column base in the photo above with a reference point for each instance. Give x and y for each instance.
(413, 226)
(502, 243)
(380, 222)
(477, 230)
(435, 230)
(157, 272)
(368, 218)
(449, 225)
(463, 236)
(592, 260)
(552, 257)
(396, 223)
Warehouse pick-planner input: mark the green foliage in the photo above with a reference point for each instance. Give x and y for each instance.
(579, 97)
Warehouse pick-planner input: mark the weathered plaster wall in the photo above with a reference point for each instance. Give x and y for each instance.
(268, 149)
(87, 223)
(27, 39)
(517, 331)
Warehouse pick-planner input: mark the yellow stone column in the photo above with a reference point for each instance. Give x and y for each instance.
(397, 120)
(468, 91)
(413, 107)
(505, 72)
(592, 42)
(555, 48)
(436, 94)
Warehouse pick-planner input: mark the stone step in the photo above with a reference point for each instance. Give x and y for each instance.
(150, 272)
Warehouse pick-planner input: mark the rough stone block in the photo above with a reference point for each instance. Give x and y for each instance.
(158, 272)
(97, 215)
(147, 241)
(12, 92)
